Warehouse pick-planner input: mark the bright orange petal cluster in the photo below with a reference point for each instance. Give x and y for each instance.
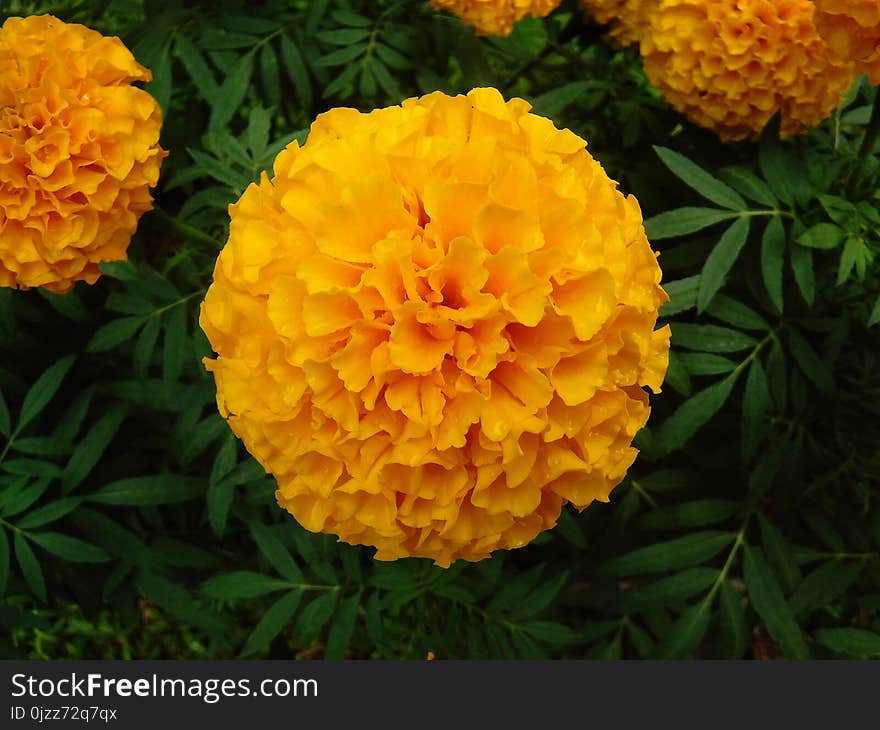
(434, 325)
(852, 29)
(730, 65)
(496, 17)
(626, 19)
(78, 152)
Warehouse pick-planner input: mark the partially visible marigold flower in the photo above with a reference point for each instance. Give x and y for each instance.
(626, 19)
(852, 29)
(78, 152)
(434, 325)
(496, 17)
(730, 65)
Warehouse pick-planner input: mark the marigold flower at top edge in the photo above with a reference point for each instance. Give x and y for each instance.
(496, 17)
(79, 151)
(730, 65)
(626, 19)
(434, 325)
(852, 29)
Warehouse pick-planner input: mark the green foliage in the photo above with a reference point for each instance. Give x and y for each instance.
(133, 524)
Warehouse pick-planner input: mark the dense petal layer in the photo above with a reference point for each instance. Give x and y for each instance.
(431, 346)
(496, 17)
(79, 152)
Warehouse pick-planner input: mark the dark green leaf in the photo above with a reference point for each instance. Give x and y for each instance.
(69, 548)
(242, 584)
(150, 490)
(698, 513)
(756, 405)
(276, 553)
(772, 260)
(682, 221)
(92, 447)
(703, 182)
(232, 92)
(822, 235)
(710, 338)
(770, 605)
(42, 392)
(342, 628)
(682, 552)
(733, 634)
(694, 413)
(852, 642)
(671, 591)
(821, 587)
(49, 513)
(686, 634)
(30, 566)
(315, 616)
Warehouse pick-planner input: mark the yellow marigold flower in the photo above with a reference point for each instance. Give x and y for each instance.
(626, 18)
(496, 17)
(434, 325)
(78, 152)
(730, 65)
(852, 29)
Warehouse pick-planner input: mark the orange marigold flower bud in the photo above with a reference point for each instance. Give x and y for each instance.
(78, 152)
(730, 65)
(626, 19)
(852, 29)
(496, 17)
(434, 325)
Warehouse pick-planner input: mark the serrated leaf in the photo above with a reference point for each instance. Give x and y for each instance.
(686, 634)
(809, 362)
(682, 552)
(822, 236)
(736, 314)
(821, 587)
(683, 221)
(69, 548)
(749, 184)
(115, 333)
(49, 513)
(149, 490)
(710, 338)
(682, 295)
(30, 566)
(344, 36)
(694, 413)
(852, 642)
(89, 451)
(804, 273)
(541, 597)
(550, 632)
(775, 165)
(232, 92)
(721, 260)
(703, 182)
(669, 591)
(42, 391)
(773, 259)
(31, 468)
(756, 405)
(771, 606)
(874, 316)
(197, 68)
(780, 555)
(242, 584)
(552, 102)
(706, 363)
(342, 628)
(174, 344)
(342, 56)
(733, 634)
(276, 553)
(315, 616)
(698, 513)
(296, 70)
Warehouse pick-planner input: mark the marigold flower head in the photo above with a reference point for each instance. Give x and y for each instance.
(78, 151)
(626, 19)
(852, 29)
(434, 325)
(730, 65)
(496, 17)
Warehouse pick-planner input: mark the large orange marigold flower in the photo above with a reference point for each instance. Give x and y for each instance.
(434, 325)
(852, 29)
(730, 65)
(496, 17)
(78, 152)
(626, 19)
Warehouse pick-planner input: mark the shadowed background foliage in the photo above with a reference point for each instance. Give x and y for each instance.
(134, 525)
